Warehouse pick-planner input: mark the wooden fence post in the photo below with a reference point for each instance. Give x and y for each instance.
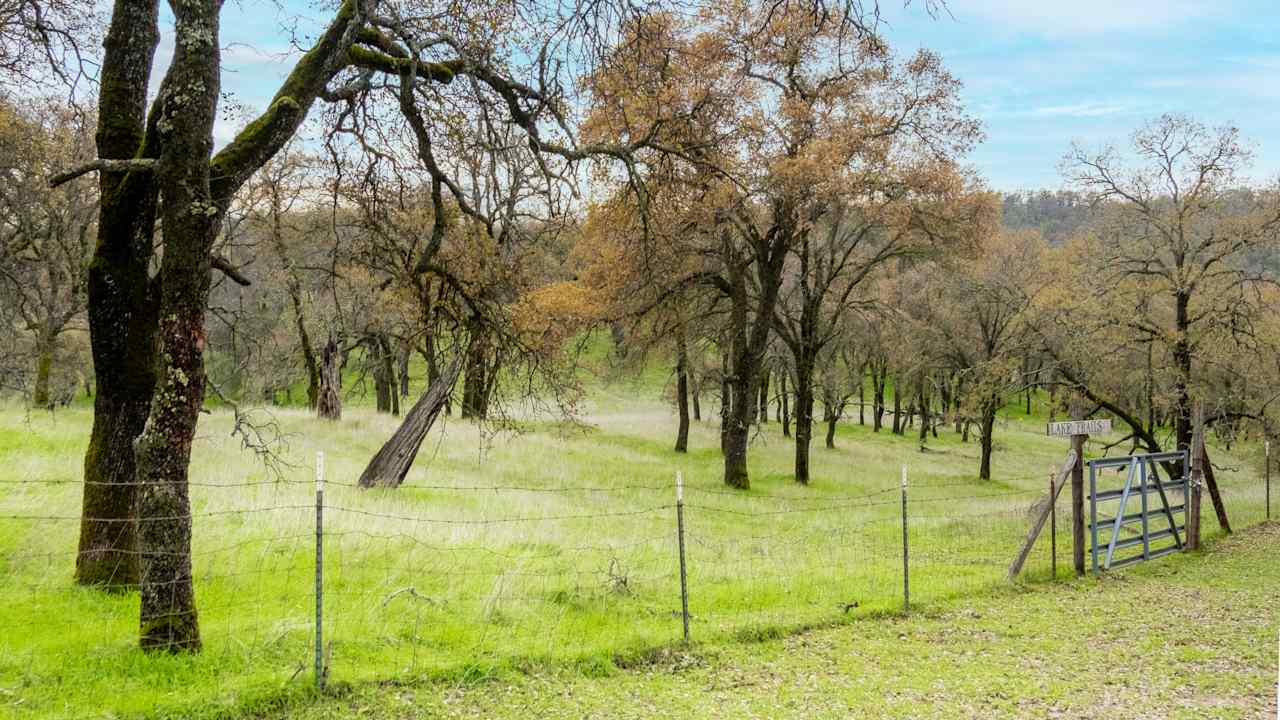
(1077, 503)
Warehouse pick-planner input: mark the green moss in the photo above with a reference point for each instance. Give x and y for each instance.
(372, 59)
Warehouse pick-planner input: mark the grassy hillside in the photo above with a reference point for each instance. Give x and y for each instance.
(551, 549)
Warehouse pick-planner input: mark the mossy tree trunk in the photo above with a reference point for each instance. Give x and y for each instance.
(121, 309)
(191, 216)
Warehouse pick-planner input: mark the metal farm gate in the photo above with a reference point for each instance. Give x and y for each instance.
(1154, 529)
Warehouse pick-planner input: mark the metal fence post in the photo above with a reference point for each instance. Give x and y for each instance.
(684, 582)
(906, 566)
(320, 670)
(1267, 445)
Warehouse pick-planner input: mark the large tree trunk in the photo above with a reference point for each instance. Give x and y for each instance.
(391, 464)
(682, 394)
(168, 620)
(988, 439)
(122, 309)
(804, 416)
(329, 402)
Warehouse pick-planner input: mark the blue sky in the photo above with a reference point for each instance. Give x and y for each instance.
(1038, 73)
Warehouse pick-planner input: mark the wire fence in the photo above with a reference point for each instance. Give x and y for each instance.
(431, 579)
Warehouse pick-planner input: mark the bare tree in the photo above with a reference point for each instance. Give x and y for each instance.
(1174, 233)
(46, 235)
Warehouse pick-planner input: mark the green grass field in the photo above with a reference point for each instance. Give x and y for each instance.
(1190, 636)
(549, 551)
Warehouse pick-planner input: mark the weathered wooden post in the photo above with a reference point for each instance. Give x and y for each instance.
(1267, 450)
(1078, 431)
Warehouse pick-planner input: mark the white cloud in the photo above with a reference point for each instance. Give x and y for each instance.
(1062, 17)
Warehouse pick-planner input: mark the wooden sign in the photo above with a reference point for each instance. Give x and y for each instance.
(1079, 427)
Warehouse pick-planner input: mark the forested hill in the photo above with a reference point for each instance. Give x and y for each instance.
(1060, 214)
(1057, 214)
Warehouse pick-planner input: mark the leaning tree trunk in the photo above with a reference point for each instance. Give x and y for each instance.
(682, 394)
(391, 464)
(329, 402)
(122, 311)
(832, 418)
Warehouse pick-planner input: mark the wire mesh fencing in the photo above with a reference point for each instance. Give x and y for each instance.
(464, 578)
